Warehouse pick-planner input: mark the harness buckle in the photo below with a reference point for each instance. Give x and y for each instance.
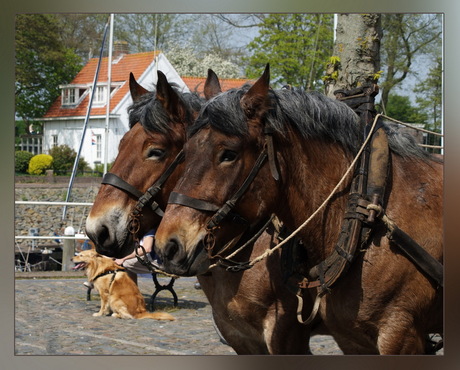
(134, 224)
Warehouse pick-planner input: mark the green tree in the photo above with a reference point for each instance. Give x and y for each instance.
(42, 64)
(400, 108)
(429, 99)
(405, 38)
(356, 57)
(429, 96)
(82, 33)
(295, 45)
(146, 32)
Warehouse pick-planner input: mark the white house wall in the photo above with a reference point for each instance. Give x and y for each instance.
(70, 133)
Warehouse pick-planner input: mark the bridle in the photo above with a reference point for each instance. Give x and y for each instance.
(144, 199)
(226, 210)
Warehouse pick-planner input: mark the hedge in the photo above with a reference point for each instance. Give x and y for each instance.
(21, 161)
(40, 163)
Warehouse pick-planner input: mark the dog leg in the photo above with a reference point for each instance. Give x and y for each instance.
(122, 313)
(105, 307)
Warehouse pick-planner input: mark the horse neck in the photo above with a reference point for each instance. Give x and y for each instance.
(312, 170)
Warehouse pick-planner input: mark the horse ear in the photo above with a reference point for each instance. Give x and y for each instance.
(256, 101)
(169, 99)
(136, 90)
(212, 85)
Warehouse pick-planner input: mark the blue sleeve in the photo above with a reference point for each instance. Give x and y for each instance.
(150, 233)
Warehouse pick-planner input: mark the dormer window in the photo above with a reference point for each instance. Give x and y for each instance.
(72, 95)
(100, 97)
(68, 96)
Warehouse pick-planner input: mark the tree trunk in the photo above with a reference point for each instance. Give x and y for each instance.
(357, 46)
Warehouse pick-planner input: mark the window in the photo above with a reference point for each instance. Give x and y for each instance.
(98, 146)
(72, 95)
(54, 141)
(68, 96)
(99, 95)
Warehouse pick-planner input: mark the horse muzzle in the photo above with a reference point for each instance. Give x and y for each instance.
(179, 261)
(110, 235)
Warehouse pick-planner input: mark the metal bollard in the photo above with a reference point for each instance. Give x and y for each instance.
(68, 249)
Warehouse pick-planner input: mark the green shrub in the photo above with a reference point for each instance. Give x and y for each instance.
(99, 168)
(64, 159)
(40, 163)
(83, 166)
(21, 161)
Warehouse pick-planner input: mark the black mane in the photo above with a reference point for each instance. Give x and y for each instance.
(312, 114)
(149, 112)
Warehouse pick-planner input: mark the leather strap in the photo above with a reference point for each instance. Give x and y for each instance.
(271, 152)
(185, 200)
(108, 273)
(146, 198)
(114, 180)
(419, 256)
(230, 204)
(225, 210)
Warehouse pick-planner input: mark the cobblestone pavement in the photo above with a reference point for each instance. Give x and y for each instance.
(53, 317)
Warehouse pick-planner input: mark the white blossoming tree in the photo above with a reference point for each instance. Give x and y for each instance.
(187, 63)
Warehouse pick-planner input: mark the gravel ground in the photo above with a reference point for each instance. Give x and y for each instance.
(53, 317)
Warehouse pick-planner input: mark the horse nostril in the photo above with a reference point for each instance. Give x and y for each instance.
(103, 235)
(100, 235)
(171, 248)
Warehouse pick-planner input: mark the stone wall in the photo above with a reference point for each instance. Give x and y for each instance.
(49, 218)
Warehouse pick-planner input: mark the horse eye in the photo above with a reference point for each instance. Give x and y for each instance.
(155, 153)
(228, 156)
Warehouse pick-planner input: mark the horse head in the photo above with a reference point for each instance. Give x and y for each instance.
(209, 209)
(156, 136)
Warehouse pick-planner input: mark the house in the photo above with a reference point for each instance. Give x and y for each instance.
(63, 123)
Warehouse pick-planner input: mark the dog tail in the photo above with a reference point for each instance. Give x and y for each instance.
(156, 316)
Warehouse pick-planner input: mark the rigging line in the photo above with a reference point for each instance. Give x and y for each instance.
(350, 168)
(412, 126)
(77, 158)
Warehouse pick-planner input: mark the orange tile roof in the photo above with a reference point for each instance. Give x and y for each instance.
(196, 84)
(136, 63)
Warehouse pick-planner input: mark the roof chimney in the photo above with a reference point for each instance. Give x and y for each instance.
(120, 48)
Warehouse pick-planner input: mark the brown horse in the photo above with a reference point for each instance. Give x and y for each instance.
(253, 310)
(383, 304)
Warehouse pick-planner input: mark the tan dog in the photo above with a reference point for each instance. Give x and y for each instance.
(119, 294)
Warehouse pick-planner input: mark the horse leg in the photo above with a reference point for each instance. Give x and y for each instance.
(397, 337)
(287, 336)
